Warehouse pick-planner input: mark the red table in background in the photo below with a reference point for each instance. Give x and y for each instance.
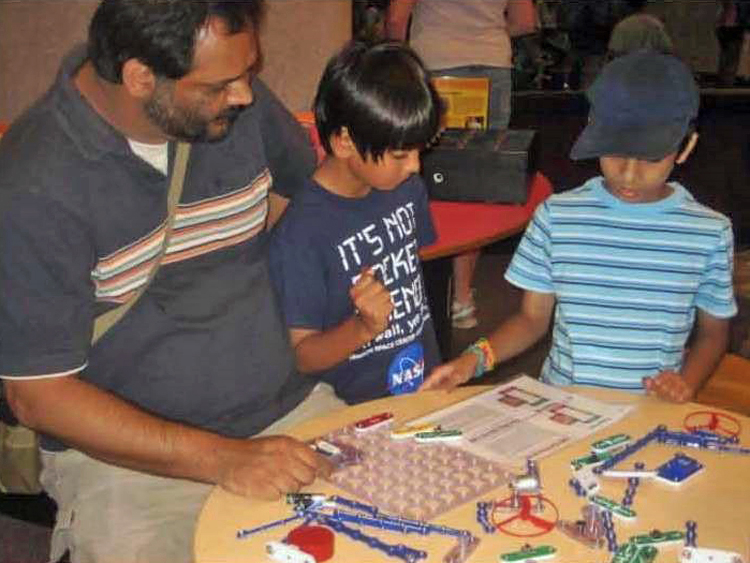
(467, 226)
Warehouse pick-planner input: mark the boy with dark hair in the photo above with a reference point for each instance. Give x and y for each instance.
(344, 257)
(629, 261)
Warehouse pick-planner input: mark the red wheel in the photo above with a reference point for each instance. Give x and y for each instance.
(712, 421)
(529, 523)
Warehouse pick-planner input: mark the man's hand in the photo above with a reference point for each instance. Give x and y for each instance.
(268, 467)
(670, 386)
(451, 375)
(373, 303)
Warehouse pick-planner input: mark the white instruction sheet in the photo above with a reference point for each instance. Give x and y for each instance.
(524, 418)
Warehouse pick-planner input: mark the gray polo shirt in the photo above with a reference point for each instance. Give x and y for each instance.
(80, 216)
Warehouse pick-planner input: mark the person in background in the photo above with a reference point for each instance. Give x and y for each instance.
(589, 24)
(639, 31)
(136, 429)
(466, 38)
(344, 257)
(733, 23)
(628, 264)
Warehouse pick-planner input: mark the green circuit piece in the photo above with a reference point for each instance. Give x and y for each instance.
(610, 443)
(632, 553)
(656, 537)
(591, 460)
(438, 436)
(527, 552)
(615, 508)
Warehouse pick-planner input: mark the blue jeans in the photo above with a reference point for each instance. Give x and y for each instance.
(501, 87)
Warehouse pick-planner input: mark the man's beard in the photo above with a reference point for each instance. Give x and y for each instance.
(185, 124)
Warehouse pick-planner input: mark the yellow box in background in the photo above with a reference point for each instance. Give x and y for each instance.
(466, 101)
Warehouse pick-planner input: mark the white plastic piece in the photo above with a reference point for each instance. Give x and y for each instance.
(287, 553)
(326, 447)
(705, 555)
(586, 478)
(626, 474)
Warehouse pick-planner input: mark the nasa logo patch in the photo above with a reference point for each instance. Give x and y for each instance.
(406, 372)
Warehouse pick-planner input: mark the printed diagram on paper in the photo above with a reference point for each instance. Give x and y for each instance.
(524, 419)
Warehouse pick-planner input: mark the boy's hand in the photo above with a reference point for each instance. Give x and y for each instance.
(451, 375)
(670, 386)
(373, 303)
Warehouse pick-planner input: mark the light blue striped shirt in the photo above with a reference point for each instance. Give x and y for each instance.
(627, 279)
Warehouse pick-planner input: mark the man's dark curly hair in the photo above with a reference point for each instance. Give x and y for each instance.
(159, 33)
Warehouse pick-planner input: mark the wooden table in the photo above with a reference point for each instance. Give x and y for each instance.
(718, 499)
(729, 385)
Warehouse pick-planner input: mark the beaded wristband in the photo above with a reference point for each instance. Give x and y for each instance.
(485, 356)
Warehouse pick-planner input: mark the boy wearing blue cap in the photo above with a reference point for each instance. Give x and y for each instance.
(629, 262)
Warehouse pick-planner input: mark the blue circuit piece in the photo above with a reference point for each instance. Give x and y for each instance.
(716, 437)
(403, 552)
(697, 439)
(242, 534)
(678, 469)
(483, 517)
(577, 487)
(691, 533)
(396, 524)
(368, 508)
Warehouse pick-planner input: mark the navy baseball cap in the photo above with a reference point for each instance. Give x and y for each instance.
(642, 105)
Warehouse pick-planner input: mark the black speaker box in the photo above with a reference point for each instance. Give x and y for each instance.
(491, 166)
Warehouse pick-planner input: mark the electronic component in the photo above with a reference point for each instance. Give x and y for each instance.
(615, 508)
(632, 553)
(373, 422)
(587, 481)
(589, 460)
(678, 469)
(608, 444)
(529, 553)
(655, 537)
(286, 553)
(438, 436)
(408, 431)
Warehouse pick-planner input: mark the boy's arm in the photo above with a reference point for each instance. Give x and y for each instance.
(320, 350)
(709, 345)
(512, 337)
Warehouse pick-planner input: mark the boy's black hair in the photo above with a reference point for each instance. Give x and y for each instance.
(382, 94)
(159, 33)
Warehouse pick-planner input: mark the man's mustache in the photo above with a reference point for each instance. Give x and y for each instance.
(231, 113)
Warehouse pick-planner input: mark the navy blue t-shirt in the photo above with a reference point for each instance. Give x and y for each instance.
(319, 249)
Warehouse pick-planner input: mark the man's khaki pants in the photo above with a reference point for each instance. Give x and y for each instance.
(107, 514)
